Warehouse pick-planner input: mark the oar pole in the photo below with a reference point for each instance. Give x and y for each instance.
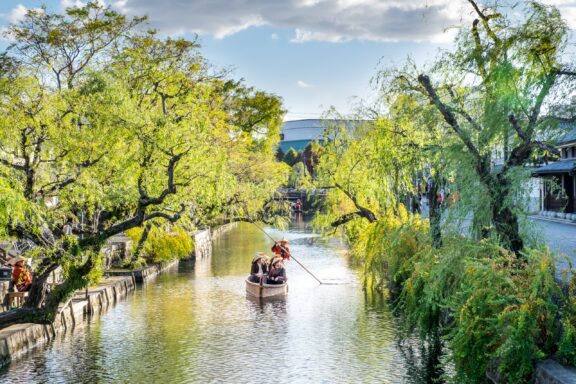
(292, 257)
(306, 269)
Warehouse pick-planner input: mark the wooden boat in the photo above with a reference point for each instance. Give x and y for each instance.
(266, 290)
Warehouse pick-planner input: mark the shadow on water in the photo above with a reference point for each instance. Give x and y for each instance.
(423, 356)
(196, 325)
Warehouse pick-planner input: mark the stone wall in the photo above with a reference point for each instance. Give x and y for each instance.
(18, 339)
(144, 274)
(202, 244)
(118, 250)
(216, 232)
(551, 372)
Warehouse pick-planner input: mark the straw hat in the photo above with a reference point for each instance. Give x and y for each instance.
(258, 256)
(284, 240)
(17, 260)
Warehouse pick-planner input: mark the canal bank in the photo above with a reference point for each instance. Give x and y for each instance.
(196, 325)
(18, 339)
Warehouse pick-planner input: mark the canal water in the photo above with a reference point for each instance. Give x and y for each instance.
(196, 325)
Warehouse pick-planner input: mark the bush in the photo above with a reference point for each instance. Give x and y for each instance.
(166, 246)
(291, 157)
(492, 308)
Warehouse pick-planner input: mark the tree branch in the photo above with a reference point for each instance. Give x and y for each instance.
(345, 218)
(363, 211)
(449, 116)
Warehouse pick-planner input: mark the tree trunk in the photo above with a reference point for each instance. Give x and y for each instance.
(507, 228)
(505, 221)
(38, 293)
(435, 213)
(141, 242)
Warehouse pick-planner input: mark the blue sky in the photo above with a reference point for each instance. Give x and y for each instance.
(313, 53)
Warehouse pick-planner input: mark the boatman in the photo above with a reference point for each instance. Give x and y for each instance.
(281, 249)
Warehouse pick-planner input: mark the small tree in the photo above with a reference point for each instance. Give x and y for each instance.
(291, 157)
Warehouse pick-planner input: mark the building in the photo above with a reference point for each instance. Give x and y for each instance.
(558, 192)
(298, 134)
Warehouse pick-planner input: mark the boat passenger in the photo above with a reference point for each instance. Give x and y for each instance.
(21, 276)
(281, 249)
(277, 274)
(259, 267)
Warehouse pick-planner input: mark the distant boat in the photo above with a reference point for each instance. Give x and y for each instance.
(266, 290)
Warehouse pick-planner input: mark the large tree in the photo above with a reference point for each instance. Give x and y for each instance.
(490, 92)
(111, 128)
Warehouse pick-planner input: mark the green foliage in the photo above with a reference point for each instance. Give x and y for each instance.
(97, 272)
(105, 123)
(491, 308)
(388, 245)
(291, 157)
(134, 233)
(567, 345)
(163, 246)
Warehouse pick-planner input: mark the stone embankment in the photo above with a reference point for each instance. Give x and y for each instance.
(142, 275)
(16, 340)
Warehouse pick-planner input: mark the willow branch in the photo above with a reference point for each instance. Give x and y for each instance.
(449, 116)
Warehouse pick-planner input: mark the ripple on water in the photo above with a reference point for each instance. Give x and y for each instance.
(198, 326)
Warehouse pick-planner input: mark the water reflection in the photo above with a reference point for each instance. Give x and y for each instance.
(197, 325)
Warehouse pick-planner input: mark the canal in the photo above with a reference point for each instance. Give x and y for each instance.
(196, 325)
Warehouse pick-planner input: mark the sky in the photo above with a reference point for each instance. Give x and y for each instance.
(313, 53)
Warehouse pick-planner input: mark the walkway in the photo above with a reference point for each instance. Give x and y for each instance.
(560, 237)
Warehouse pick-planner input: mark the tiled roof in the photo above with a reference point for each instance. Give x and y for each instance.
(563, 166)
(570, 135)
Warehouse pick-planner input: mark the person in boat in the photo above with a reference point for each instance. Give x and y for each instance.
(259, 267)
(277, 274)
(298, 206)
(21, 276)
(281, 249)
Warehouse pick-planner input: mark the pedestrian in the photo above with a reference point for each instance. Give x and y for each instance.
(21, 276)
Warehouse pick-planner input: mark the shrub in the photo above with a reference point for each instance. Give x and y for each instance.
(492, 309)
(165, 246)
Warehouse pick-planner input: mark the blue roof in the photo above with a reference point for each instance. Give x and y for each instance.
(570, 135)
(563, 166)
(298, 145)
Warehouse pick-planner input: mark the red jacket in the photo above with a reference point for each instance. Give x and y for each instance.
(21, 277)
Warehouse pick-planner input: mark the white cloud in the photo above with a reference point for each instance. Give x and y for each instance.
(313, 20)
(302, 36)
(72, 4)
(17, 14)
(303, 84)
(274, 36)
(250, 21)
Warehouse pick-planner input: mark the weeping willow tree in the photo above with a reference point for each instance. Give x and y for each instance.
(110, 128)
(367, 166)
(492, 298)
(490, 92)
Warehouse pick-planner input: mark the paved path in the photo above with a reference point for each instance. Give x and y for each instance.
(559, 236)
